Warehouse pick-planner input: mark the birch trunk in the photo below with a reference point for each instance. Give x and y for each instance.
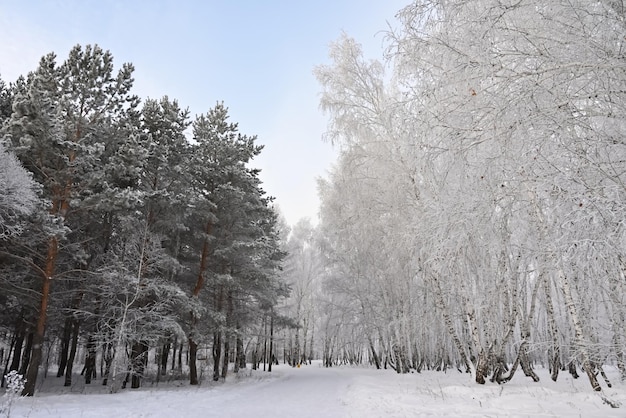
(578, 329)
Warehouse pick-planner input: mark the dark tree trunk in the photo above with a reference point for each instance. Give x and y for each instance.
(572, 369)
(241, 354)
(311, 344)
(108, 352)
(482, 368)
(72, 352)
(138, 361)
(6, 364)
(174, 344)
(90, 360)
(226, 357)
(271, 355)
(401, 360)
(217, 337)
(165, 352)
(265, 341)
(193, 371)
(374, 355)
(180, 357)
(217, 354)
(26, 356)
(65, 346)
(33, 366)
(20, 333)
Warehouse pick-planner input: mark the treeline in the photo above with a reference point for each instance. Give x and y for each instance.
(121, 235)
(476, 216)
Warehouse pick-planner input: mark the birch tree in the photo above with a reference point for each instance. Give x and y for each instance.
(499, 126)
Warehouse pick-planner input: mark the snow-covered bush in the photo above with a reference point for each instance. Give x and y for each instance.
(15, 385)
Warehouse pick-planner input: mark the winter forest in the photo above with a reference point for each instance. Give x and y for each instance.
(473, 223)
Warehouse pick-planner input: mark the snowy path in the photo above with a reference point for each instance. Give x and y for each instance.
(346, 392)
(306, 392)
(310, 391)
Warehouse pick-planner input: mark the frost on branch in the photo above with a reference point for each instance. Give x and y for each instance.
(15, 385)
(17, 195)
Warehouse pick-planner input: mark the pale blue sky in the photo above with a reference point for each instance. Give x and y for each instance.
(256, 56)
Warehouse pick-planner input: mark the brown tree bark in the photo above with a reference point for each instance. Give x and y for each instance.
(38, 337)
(193, 345)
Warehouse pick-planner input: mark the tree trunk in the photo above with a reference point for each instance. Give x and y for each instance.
(38, 338)
(578, 330)
(217, 354)
(240, 359)
(482, 367)
(180, 357)
(108, 353)
(138, 361)
(26, 356)
(450, 325)
(90, 360)
(296, 352)
(555, 358)
(165, 352)
(65, 346)
(193, 371)
(311, 343)
(522, 354)
(264, 341)
(174, 344)
(193, 346)
(374, 355)
(271, 356)
(6, 364)
(72, 352)
(226, 357)
(20, 334)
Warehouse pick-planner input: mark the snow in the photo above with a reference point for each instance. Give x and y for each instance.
(314, 391)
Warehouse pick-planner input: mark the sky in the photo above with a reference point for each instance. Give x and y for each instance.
(255, 56)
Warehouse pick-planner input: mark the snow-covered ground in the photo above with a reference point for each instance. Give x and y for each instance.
(313, 391)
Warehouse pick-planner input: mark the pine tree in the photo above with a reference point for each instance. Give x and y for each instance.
(6, 102)
(59, 129)
(233, 230)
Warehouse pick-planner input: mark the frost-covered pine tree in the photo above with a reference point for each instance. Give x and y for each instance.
(62, 119)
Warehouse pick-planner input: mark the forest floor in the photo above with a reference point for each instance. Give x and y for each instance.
(314, 391)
